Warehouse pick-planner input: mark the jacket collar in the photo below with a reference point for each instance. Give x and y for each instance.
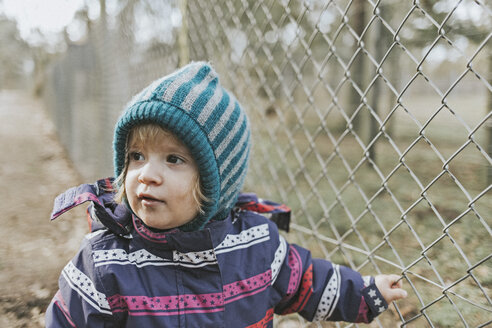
(103, 212)
(185, 241)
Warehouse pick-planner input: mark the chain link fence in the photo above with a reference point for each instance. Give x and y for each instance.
(371, 119)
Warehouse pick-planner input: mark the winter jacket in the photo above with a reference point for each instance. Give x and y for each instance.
(234, 273)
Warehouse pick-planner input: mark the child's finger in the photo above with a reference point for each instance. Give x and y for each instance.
(390, 287)
(394, 281)
(396, 294)
(397, 284)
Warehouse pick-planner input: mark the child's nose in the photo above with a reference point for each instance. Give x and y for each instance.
(150, 174)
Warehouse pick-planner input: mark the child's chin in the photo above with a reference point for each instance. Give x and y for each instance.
(157, 224)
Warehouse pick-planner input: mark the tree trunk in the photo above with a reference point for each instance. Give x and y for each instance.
(357, 71)
(488, 123)
(379, 43)
(184, 52)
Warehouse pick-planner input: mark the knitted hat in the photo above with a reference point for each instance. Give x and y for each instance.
(208, 120)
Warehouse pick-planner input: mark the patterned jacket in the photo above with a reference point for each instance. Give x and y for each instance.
(234, 273)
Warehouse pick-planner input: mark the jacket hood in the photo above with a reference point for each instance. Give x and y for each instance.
(103, 211)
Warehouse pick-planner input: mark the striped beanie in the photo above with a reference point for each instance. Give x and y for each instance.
(208, 120)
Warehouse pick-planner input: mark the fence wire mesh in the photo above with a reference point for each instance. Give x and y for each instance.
(371, 119)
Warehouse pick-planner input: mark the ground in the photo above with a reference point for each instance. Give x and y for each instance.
(33, 170)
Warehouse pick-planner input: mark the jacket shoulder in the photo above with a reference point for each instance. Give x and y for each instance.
(275, 212)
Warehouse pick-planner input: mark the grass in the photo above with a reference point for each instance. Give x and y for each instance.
(417, 214)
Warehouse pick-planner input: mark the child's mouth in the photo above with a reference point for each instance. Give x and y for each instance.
(149, 200)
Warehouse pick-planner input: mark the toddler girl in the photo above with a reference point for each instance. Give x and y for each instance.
(174, 244)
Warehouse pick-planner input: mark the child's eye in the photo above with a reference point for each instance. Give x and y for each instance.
(173, 159)
(136, 156)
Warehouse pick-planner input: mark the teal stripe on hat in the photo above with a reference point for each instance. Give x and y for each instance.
(197, 98)
(218, 123)
(193, 105)
(156, 90)
(231, 135)
(226, 125)
(184, 89)
(233, 143)
(229, 196)
(219, 98)
(167, 89)
(234, 161)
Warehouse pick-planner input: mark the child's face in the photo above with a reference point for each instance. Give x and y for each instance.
(160, 180)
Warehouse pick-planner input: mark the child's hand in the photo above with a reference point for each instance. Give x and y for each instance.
(390, 286)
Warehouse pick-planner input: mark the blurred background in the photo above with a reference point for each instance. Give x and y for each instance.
(371, 120)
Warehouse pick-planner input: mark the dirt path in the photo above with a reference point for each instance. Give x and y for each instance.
(33, 170)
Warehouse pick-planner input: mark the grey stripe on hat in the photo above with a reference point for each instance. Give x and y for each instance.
(197, 90)
(233, 188)
(230, 135)
(223, 119)
(152, 87)
(184, 77)
(211, 104)
(147, 92)
(238, 165)
(234, 152)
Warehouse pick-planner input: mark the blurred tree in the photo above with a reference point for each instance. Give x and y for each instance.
(357, 70)
(184, 51)
(488, 125)
(14, 55)
(41, 60)
(476, 31)
(381, 39)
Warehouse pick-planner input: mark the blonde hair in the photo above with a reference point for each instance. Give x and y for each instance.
(147, 134)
